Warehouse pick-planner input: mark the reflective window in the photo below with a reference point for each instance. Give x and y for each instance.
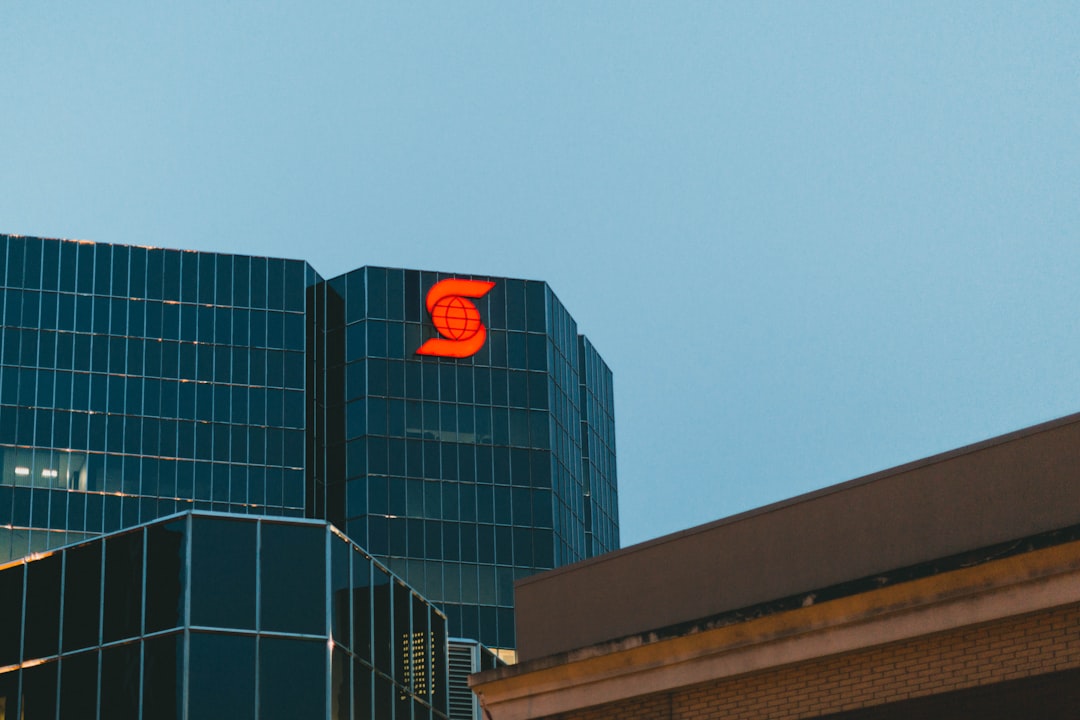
(363, 614)
(340, 686)
(9, 684)
(382, 636)
(215, 657)
(163, 677)
(223, 565)
(293, 577)
(122, 610)
(120, 677)
(79, 690)
(39, 692)
(341, 589)
(292, 678)
(419, 662)
(11, 601)
(362, 678)
(42, 637)
(166, 550)
(402, 634)
(384, 696)
(82, 596)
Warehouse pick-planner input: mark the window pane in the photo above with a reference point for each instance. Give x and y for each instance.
(11, 595)
(361, 597)
(82, 596)
(42, 607)
(293, 567)
(222, 677)
(120, 681)
(384, 697)
(123, 586)
(9, 682)
(163, 678)
(341, 590)
(402, 638)
(419, 661)
(440, 697)
(380, 592)
(362, 678)
(292, 679)
(340, 686)
(223, 573)
(165, 547)
(39, 692)
(78, 691)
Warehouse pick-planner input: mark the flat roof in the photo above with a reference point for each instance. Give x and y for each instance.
(1014, 486)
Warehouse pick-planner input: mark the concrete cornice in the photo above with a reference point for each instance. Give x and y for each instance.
(609, 672)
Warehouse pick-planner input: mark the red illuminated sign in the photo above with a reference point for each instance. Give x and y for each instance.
(456, 318)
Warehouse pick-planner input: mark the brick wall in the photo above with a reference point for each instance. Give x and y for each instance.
(978, 655)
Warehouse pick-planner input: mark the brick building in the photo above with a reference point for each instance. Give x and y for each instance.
(946, 588)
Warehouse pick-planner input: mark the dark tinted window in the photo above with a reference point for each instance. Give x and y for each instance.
(292, 679)
(9, 681)
(123, 586)
(341, 590)
(380, 592)
(163, 681)
(362, 615)
(39, 692)
(223, 573)
(165, 548)
(384, 697)
(120, 682)
(43, 607)
(293, 574)
(78, 692)
(82, 596)
(11, 596)
(402, 635)
(437, 626)
(222, 677)
(419, 661)
(340, 686)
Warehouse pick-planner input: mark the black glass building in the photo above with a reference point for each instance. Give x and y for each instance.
(140, 382)
(465, 474)
(217, 616)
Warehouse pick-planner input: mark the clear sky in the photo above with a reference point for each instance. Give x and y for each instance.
(813, 240)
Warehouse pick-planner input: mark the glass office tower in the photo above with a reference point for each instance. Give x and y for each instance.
(465, 474)
(139, 382)
(136, 382)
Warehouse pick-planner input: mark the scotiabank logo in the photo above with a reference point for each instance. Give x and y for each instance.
(456, 318)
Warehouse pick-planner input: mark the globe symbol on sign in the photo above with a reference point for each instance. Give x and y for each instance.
(456, 318)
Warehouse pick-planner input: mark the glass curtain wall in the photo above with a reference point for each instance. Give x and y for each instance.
(135, 382)
(209, 616)
(598, 451)
(139, 382)
(462, 474)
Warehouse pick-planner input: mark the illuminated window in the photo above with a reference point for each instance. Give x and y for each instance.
(415, 650)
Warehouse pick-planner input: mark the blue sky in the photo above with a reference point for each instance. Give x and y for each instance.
(812, 240)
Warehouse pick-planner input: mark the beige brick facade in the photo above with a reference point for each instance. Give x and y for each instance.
(984, 654)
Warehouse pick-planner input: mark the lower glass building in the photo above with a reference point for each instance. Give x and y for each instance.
(217, 616)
